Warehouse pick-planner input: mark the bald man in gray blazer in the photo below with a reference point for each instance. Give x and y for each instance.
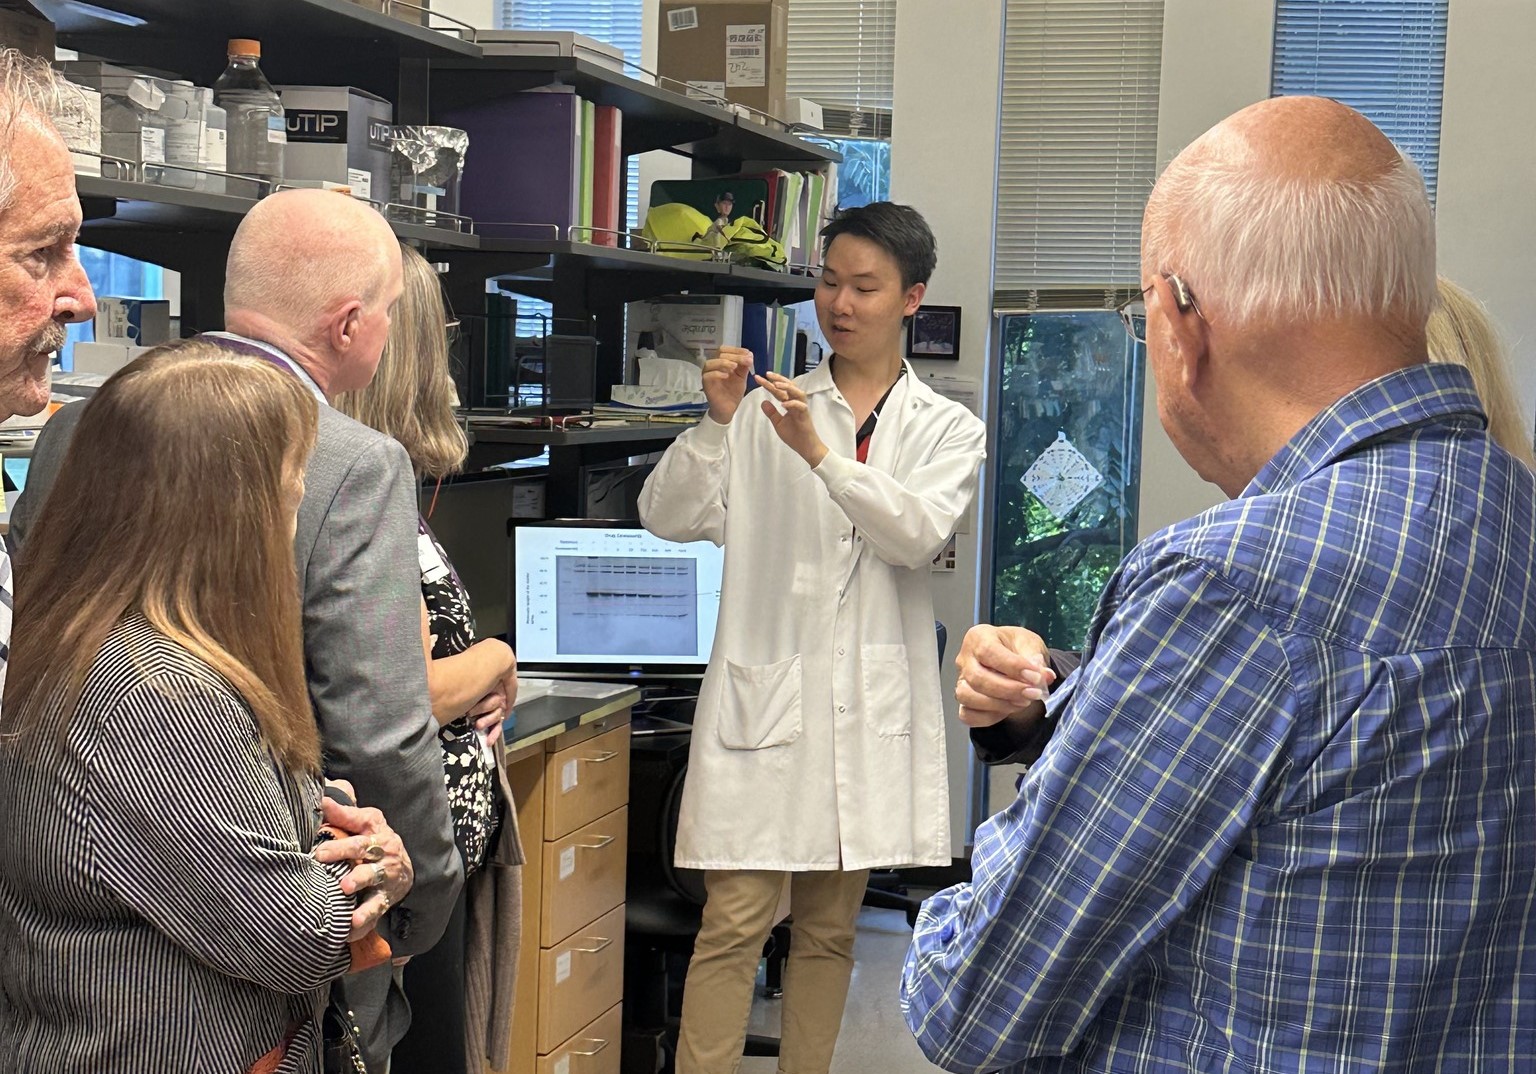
(310, 279)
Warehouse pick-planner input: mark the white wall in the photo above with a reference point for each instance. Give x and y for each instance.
(1216, 60)
(1486, 209)
(944, 162)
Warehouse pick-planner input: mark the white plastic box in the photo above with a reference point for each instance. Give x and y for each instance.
(338, 134)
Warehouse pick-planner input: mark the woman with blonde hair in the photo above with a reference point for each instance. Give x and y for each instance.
(459, 990)
(162, 903)
(1461, 331)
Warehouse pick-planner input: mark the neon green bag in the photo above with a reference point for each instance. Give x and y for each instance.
(678, 230)
(748, 244)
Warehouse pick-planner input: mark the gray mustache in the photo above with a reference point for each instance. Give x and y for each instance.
(48, 339)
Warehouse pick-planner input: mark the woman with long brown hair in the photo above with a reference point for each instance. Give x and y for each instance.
(160, 905)
(457, 991)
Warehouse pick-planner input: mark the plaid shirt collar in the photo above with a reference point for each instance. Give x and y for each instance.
(1418, 395)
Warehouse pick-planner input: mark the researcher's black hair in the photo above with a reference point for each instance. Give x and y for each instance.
(899, 230)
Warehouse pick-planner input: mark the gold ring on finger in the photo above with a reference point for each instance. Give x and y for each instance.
(373, 851)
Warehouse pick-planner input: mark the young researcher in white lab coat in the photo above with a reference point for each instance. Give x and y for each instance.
(818, 744)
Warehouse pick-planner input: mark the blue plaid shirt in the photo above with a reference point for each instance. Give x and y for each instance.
(1287, 819)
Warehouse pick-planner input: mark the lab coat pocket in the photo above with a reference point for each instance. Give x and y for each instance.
(887, 689)
(760, 705)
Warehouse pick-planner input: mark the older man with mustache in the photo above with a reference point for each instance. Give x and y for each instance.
(42, 285)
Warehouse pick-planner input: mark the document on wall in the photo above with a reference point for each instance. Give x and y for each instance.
(964, 390)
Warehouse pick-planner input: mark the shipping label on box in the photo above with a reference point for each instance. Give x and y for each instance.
(338, 134)
(746, 55)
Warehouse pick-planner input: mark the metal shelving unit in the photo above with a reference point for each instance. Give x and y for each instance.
(654, 117)
(422, 69)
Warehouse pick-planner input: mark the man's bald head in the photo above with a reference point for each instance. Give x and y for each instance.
(1295, 209)
(301, 254)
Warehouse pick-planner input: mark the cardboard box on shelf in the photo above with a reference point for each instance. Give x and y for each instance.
(25, 29)
(338, 134)
(726, 48)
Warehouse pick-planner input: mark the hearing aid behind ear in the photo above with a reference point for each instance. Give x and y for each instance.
(1181, 297)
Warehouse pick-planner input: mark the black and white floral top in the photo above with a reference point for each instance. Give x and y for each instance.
(469, 767)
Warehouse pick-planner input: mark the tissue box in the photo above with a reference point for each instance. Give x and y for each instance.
(143, 322)
(338, 134)
(104, 358)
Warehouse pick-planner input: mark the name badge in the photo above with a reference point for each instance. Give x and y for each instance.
(433, 569)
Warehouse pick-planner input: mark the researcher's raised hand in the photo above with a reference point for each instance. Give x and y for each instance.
(1004, 672)
(790, 413)
(725, 381)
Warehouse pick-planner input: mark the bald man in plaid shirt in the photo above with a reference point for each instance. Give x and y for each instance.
(1283, 817)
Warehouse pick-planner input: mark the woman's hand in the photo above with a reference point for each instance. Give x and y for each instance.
(489, 713)
(382, 873)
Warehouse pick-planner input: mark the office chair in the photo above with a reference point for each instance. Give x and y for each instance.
(886, 890)
(664, 906)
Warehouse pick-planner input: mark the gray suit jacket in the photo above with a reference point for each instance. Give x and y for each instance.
(356, 555)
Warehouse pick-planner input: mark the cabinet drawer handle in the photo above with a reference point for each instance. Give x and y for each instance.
(601, 1044)
(602, 841)
(602, 944)
(602, 758)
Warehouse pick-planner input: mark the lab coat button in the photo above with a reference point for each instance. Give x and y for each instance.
(840, 652)
(842, 708)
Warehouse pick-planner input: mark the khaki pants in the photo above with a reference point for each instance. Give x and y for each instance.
(738, 915)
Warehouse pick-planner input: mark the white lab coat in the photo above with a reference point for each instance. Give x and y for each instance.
(818, 741)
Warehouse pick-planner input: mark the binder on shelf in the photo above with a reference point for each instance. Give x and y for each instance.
(524, 169)
(756, 331)
(608, 175)
(588, 150)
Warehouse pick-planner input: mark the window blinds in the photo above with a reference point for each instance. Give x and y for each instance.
(616, 22)
(1383, 57)
(1078, 150)
(842, 55)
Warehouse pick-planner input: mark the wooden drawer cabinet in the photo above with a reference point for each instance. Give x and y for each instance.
(572, 793)
(580, 978)
(595, 1050)
(586, 781)
(583, 876)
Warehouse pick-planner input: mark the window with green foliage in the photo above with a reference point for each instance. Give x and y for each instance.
(865, 173)
(1068, 455)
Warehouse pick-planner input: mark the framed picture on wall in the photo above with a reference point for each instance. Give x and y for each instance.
(934, 332)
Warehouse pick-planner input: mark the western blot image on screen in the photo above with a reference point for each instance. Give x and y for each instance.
(594, 596)
(611, 606)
